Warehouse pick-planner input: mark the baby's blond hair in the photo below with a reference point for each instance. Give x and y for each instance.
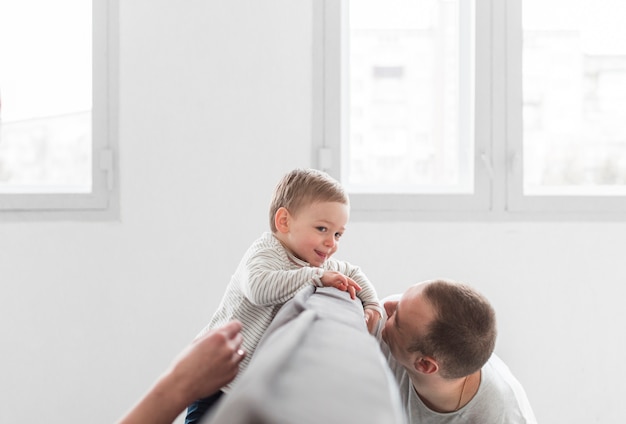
(303, 187)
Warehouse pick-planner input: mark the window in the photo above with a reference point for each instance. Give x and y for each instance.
(573, 77)
(57, 78)
(492, 108)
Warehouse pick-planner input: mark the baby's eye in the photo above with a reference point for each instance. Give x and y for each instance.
(338, 236)
(322, 229)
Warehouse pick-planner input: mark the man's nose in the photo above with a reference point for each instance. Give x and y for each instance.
(390, 307)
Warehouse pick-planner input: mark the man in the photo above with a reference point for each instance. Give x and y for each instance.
(439, 339)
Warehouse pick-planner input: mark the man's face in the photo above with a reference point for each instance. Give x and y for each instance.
(408, 320)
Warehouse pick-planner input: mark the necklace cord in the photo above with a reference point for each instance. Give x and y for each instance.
(462, 391)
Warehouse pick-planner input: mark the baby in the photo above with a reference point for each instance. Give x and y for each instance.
(308, 215)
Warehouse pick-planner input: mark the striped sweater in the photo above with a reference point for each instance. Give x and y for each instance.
(267, 277)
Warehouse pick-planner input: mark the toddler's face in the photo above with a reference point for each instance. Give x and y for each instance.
(315, 231)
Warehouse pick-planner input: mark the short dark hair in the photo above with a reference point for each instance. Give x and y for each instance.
(463, 333)
(303, 187)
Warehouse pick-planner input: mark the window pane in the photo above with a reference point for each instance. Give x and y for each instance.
(409, 112)
(46, 96)
(574, 97)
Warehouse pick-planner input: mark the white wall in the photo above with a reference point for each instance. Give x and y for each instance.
(215, 105)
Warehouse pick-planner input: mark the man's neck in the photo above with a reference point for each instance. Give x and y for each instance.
(446, 396)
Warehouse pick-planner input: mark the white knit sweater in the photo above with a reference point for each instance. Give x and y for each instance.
(267, 277)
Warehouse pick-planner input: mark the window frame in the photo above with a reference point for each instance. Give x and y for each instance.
(497, 130)
(103, 200)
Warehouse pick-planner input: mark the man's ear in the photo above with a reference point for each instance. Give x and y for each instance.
(281, 220)
(426, 365)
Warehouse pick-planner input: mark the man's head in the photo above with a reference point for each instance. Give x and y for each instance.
(441, 326)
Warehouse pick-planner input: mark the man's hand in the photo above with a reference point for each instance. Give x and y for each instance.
(210, 362)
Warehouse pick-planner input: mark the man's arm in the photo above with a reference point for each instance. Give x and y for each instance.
(201, 369)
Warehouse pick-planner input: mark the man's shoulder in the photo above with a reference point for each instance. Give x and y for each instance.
(500, 387)
(497, 371)
(392, 298)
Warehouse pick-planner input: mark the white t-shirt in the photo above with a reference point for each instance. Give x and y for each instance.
(500, 399)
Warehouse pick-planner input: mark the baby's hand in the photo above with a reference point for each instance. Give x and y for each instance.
(371, 319)
(339, 281)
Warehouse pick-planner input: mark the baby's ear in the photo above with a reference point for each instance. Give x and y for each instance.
(281, 220)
